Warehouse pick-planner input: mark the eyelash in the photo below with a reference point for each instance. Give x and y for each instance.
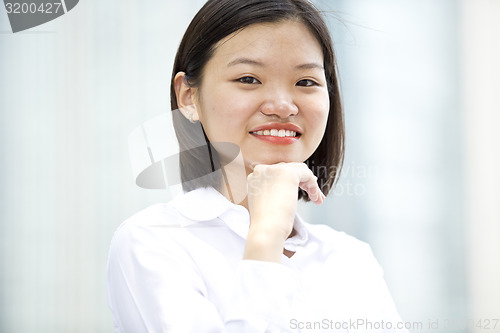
(252, 80)
(310, 83)
(244, 80)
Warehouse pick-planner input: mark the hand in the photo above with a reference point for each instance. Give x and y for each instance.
(272, 202)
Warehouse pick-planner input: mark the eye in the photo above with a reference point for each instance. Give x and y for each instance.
(306, 83)
(248, 80)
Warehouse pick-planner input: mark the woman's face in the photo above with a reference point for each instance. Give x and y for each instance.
(265, 90)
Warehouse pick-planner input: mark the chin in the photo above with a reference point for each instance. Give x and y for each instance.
(272, 160)
(268, 157)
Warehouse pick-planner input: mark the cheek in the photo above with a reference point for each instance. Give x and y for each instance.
(232, 109)
(318, 113)
(225, 117)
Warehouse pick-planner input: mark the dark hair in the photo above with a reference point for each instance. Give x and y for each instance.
(216, 20)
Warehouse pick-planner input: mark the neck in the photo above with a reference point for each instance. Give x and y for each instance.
(234, 181)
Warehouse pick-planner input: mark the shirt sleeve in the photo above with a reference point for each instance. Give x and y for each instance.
(155, 287)
(364, 294)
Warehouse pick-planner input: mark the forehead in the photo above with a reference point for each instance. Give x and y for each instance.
(289, 40)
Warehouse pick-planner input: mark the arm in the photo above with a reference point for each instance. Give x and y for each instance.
(154, 286)
(272, 202)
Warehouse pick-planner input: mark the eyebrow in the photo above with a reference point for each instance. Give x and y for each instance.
(248, 61)
(311, 65)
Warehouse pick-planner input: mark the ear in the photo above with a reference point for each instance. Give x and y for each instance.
(185, 97)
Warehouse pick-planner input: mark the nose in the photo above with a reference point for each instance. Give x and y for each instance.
(279, 103)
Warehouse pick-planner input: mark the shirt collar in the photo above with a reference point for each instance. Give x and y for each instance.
(301, 235)
(206, 204)
(201, 204)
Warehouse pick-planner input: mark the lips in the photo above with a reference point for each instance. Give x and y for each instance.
(278, 127)
(278, 133)
(274, 132)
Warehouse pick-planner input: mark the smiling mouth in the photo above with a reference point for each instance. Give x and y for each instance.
(281, 133)
(277, 136)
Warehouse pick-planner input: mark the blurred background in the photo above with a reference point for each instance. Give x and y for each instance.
(421, 181)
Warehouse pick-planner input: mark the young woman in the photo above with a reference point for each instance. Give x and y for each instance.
(258, 116)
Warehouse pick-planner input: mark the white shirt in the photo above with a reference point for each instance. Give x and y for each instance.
(178, 267)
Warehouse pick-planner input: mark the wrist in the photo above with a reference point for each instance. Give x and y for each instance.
(263, 245)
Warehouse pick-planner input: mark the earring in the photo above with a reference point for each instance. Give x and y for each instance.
(190, 117)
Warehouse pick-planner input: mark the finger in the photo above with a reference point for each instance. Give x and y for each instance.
(314, 192)
(309, 183)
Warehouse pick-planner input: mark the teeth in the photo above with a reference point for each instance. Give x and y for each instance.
(274, 132)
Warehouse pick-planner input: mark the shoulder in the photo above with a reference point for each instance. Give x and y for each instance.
(157, 214)
(154, 228)
(171, 226)
(337, 239)
(344, 247)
